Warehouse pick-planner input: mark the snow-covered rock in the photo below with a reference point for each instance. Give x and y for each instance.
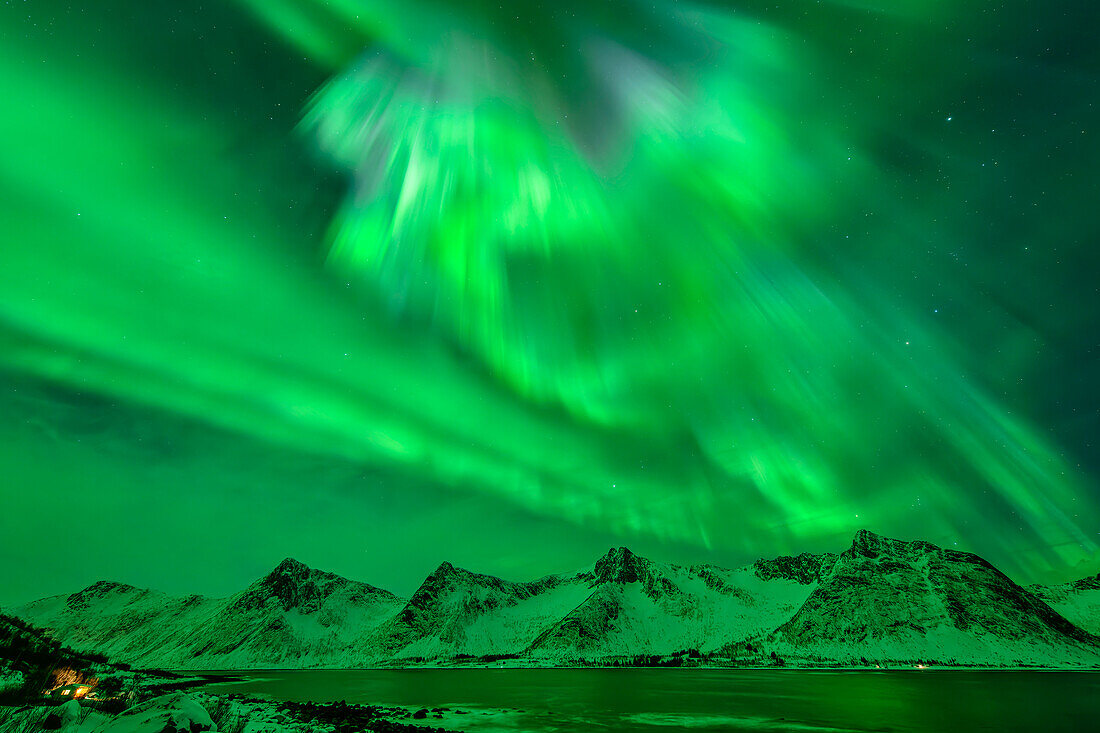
(63, 716)
(173, 713)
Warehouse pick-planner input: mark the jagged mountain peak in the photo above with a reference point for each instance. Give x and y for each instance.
(102, 587)
(866, 536)
(804, 569)
(1091, 582)
(290, 566)
(448, 574)
(888, 552)
(445, 600)
(294, 584)
(866, 540)
(446, 569)
(290, 573)
(98, 590)
(442, 582)
(869, 544)
(620, 565)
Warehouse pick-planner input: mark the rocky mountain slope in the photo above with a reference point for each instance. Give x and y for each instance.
(882, 600)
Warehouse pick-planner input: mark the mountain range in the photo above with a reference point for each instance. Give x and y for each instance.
(880, 601)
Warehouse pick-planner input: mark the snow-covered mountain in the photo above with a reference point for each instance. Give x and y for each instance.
(883, 600)
(1078, 601)
(886, 599)
(455, 611)
(624, 606)
(637, 606)
(293, 617)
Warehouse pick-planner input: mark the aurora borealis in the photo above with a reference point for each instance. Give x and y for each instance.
(378, 284)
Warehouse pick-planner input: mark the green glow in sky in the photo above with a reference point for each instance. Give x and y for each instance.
(381, 284)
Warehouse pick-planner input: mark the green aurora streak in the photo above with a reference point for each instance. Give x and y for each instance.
(702, 275)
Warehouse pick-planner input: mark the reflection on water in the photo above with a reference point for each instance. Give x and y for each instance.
(667, 700)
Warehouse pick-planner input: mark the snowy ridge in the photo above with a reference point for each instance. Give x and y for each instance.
(881, 599)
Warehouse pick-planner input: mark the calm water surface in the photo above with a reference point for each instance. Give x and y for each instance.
(667, 700)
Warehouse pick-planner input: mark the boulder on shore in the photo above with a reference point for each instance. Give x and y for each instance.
(172, 713)
(61, 716)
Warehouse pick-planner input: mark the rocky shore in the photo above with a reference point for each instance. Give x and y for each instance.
(201, 712)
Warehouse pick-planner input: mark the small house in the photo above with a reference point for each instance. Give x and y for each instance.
(71, 692)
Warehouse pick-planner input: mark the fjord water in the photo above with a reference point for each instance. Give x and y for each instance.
(568, 700)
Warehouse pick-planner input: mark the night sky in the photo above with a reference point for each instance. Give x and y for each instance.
(377, 284)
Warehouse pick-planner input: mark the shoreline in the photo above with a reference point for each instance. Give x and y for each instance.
(708, 668)
(759, 702)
